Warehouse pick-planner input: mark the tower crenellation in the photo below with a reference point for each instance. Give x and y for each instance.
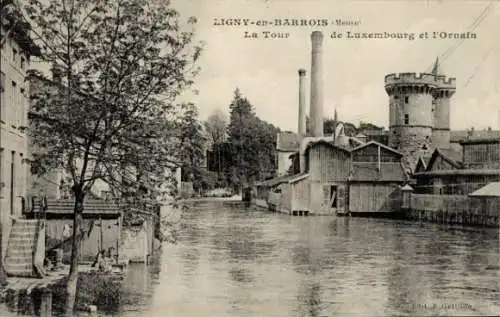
(419, 112)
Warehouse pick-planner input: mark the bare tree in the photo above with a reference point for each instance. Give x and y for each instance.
(216, 126)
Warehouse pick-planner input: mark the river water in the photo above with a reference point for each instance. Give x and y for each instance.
(238, 261)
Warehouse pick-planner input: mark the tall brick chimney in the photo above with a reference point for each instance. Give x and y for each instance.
(316, 110)
(302, 103)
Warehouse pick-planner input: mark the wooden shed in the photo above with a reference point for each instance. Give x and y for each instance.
(481, 153)
(295, 195)
(448, 172)
(488, 198)
(376, 175)
(328, 167)
(101, 226)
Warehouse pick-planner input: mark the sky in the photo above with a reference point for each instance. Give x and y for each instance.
(265, 70)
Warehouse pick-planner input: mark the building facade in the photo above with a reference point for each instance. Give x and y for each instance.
(448, 174)
(376, 175)
(16, 50)
(287, 143)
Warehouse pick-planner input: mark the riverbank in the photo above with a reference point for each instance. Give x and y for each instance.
(208, 199)
(95, 290)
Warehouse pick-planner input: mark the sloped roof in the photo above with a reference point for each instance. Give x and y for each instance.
(423, 161)
(372, 142)
(287, 142)
(368, 172)
(14, 21)
(325, 142)
(454, 158)
(275, 181)
(91, 207)
(407, 187)
(452, 154)
(490, 190)
(298, 177)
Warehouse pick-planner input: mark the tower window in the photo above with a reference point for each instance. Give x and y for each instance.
(406, 99)
(407, 118)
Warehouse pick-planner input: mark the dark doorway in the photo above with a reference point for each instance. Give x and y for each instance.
(333, 196)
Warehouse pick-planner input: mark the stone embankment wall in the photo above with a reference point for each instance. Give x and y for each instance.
(134, 244)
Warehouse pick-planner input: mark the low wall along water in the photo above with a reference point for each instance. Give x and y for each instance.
(454, 209)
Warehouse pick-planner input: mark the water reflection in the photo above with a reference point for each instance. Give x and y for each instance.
(233, 260)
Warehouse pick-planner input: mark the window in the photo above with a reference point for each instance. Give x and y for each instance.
(13, 104)
(23, 60)
(12, 177)
(2, 97)
(2, 181)
(22, 108)
(2, 83)
(407, 99)
(14, 54)
(407, 119)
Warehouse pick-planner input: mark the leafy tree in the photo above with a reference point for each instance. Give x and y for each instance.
(121, 64)
(216, 127)
(241, 136)
(253, 144)
(266, 135)
(192, 147)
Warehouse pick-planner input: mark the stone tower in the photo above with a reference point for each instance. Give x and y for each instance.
(441, 108)
(419, 110)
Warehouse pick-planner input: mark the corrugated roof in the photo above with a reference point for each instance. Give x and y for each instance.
(287, 142)
(490, 190)
(368, 172)
(66, 206)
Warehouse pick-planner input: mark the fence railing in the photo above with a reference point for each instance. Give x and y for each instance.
(455, 209)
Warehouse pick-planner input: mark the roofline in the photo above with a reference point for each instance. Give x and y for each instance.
(321, 141)
(298, 178)
(278, 149)
(444, 156)
(20, 33)
(489, 195)
(479, 141)
(421, 160)
(459, 172)
(376, 143)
